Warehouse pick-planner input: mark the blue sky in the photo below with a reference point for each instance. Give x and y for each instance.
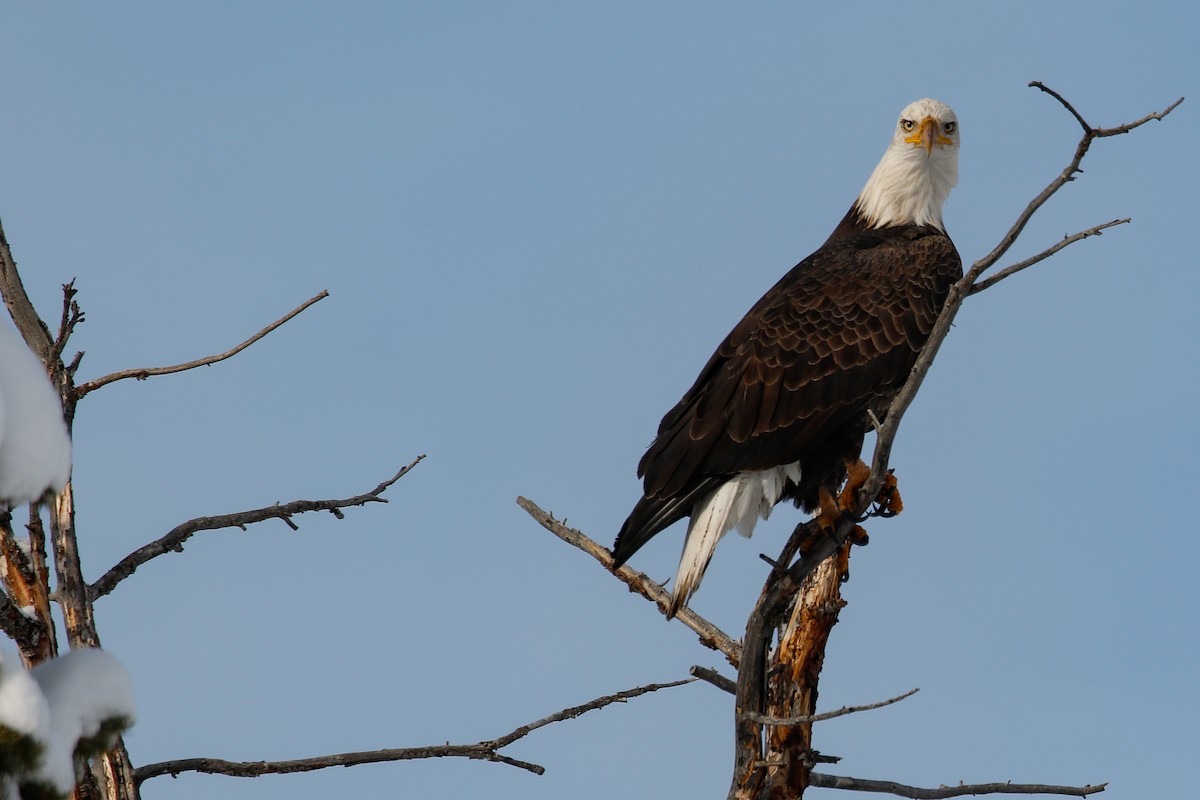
(535, 221)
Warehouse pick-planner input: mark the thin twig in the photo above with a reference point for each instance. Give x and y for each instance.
(146, 372)
(173, 541)
(1128, 126)
(992, 280)
(710, 635)
(71, 316)
(1062, 100)
(1064, 177)
(1099, 132)
(575, 711)
(487, 750)
(824, 781)
(811, 718)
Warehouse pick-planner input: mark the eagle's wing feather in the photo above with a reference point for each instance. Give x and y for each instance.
(840, 330)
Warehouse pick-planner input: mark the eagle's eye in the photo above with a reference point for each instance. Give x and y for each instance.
(950, 127)
(907, 125)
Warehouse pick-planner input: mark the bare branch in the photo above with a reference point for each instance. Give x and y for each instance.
(146, 372)
(710, 635)
(715, 678)
(254, 769)
(173, 541)
(1078, 117)
(575, 711)
(72, 315)
(1128, 126)
(917, 793)
(979, 286)
(1067, 175)
(20, 307)
(487, 750)
(1098, 132)
(811, 718)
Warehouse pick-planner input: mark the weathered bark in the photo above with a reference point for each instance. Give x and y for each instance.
(27, 581)
(27, 578)
(794, 673)
(781, 682)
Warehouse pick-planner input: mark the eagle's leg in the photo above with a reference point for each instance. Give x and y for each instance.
(887, 502)
(831, 509)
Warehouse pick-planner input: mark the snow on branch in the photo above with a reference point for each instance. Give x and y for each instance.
(35, 450)
(487, 750)
(56, 716)
(173, 541)
(18, 626)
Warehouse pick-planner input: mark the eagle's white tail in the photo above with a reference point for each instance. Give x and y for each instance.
(738, 502)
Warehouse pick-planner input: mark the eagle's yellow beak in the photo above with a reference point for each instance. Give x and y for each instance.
(928, 134)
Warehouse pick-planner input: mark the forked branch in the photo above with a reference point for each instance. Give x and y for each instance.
(487, 750)
(970, 284)
(173, 541)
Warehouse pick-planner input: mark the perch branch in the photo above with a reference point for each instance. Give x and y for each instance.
(487, 750)
(917, 793)
(173, 541)
(710, 635)
(146, 372)
(841, 712)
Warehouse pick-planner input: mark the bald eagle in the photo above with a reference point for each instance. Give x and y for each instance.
(784, 403)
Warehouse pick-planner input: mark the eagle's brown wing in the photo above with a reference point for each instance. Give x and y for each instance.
(836, 334)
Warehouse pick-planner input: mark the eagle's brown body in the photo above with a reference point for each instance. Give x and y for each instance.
(786, 399)
(835, 338)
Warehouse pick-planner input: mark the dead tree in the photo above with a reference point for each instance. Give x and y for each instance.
(776, 690)
(780, 657)
(49, 569)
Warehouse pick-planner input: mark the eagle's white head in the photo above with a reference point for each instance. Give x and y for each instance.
(917, 172)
